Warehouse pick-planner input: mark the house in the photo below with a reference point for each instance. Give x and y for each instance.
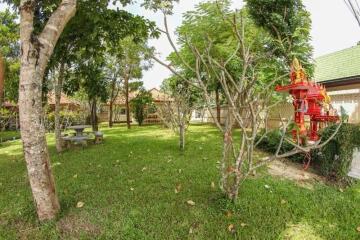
(204, 115)
(119, 108)
(65, 102)
(339, 72)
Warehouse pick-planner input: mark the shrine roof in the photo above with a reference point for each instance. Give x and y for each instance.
(339, 65)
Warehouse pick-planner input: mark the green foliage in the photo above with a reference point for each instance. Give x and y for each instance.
(10, 50)
(289, 24)
(67, 118)
(9, 34)
(209, 29)
(140, 105)
(333, 160)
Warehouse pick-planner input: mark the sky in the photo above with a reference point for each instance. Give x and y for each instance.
(333, 29)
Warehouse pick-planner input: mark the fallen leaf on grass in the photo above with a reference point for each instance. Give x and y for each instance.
(180, 170)
(358, 229)
(243, 224)
(283, 201)
(191, 202)
(75, 176)
(56, 164)
(341, 190)
(212, 185)
(231, 228)
(266, 186)
(177, 188)
(132, 189)
(143, 169)
(80, 204)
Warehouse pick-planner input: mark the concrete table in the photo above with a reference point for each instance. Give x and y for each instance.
(79, 129)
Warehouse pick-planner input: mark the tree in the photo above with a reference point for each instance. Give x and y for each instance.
(37, 45)
(95, 85)
(247, 71)
(289, 24)
(140, 105)
(133, 59)
(41, 24)
(176, 111)
(2, 79)
(9, 50)
(112, 72)
(90, 34)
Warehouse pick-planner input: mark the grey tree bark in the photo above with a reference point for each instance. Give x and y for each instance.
(35, 54)
(58, 90)
(218, 107)
(182, 136)
(111, 110)
(2, 79)
(93, 117)
(127, 104)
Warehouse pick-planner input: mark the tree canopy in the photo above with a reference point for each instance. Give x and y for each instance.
(289, 24)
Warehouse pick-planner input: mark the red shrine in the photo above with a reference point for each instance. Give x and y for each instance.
(311, 99)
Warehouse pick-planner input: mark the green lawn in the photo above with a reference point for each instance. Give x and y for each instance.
(127, 186)
(5, 135)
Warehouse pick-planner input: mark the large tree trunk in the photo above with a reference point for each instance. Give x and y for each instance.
(58, 90)
(2, 79)
(127, 102)
(35, 54)
(218, 108)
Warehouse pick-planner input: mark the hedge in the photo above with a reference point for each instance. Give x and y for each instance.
(333, 160)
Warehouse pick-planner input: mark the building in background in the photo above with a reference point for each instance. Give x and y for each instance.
(340, 74)
(119, 108)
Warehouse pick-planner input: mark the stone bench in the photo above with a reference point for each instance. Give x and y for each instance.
(99, 137)
(68, 141)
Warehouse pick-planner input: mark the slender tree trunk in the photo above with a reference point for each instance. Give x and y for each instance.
(58, 90)
(182, 136)
(111, 113)
(94, 122)
(227, 161)
(127, 102)
(35, 54)
(218, 107)
(112, 99)
(2, 79)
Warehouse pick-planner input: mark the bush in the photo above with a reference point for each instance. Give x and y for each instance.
(67, 118)
(139, 105)
(333, 160)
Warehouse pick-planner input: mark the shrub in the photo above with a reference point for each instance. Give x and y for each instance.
(333, 160)
(140, 103)
(67, 118)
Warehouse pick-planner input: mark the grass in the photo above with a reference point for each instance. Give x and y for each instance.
(127, 186)
(6, 135)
